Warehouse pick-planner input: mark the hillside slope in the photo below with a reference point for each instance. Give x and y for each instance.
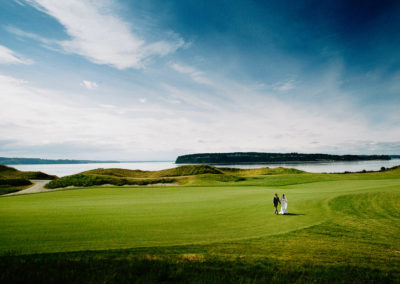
(204, 175)
(12, 180)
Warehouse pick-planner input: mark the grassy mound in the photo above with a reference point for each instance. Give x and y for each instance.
(7, 170)
(84, 180)
(174, 172)
(189, 171)
(204, 175)
(261, 171)
(12, 180)
(121, 177)
(10, 185)
(10, 172)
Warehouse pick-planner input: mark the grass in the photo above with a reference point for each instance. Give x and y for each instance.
(92, 180)
(204, 175)
(174, 172)
(133, 177)
(13, 185)
(12, 180)
(344, 227)
(10, 172)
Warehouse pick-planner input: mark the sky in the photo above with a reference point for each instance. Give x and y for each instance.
(154, 79)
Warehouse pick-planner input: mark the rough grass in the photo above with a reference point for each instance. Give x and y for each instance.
(178, 171)
(13, 185)
(12, 180)
(204, 175)
(138, 177)
(85, 180)
(12, 173)
(343, 228)
(261, 171)
(131, 266)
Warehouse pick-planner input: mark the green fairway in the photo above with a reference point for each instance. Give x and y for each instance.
(105, 218)
(123, 218)
(343, 221)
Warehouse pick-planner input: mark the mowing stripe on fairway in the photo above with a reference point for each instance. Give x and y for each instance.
(101, 218)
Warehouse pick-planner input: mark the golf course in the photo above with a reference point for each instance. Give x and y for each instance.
(207, 228)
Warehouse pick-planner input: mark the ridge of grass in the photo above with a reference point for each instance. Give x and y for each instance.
(187, 170)
(205, 175)
(12, 180)
(85, 180)
(261, 171)
(7, 172)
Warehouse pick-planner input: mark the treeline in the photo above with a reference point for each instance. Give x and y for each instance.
(255, 157)
(35, 161)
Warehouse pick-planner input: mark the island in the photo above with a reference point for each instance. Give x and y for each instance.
(257, 157)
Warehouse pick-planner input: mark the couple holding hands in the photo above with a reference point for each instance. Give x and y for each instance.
(282, 201)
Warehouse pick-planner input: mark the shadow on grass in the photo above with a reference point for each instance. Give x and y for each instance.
(292, 214)
(127, 267)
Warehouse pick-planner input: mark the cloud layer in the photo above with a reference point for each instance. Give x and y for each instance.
(102, 37)
(7, 56)
(36, 118)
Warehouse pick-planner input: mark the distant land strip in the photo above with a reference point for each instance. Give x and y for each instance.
(36, 161)
(256, 157)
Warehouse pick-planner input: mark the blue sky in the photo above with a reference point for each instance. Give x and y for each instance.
(150, 80)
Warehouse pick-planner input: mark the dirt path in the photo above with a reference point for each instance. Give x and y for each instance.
(38, 186)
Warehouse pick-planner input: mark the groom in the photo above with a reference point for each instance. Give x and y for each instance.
(276, 201)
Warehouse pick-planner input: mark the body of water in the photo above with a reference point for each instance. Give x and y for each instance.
(314, 167)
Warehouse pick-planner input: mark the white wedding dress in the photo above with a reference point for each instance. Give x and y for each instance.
(283, 206)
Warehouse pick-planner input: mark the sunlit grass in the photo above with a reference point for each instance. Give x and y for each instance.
(344, 227)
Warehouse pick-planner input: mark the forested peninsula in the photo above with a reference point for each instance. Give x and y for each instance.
(256, 157)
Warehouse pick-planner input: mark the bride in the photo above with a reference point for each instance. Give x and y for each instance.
(283, 205)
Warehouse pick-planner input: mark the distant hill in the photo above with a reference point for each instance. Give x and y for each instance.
(35, 161)
(255, 157)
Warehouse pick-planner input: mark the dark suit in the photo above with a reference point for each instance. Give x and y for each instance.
(276, 201)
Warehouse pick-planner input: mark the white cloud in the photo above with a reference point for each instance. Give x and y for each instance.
(102, 37)
(48, 43)
(89, 85)
(7, 56)
(107, 106)
(195, 100)
(195, 74)
(283, 87)
(19, 3)
(100, 128)
(142, 100)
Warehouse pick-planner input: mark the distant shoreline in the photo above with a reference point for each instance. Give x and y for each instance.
(259, 158)
(38, 161)
(283, 162)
